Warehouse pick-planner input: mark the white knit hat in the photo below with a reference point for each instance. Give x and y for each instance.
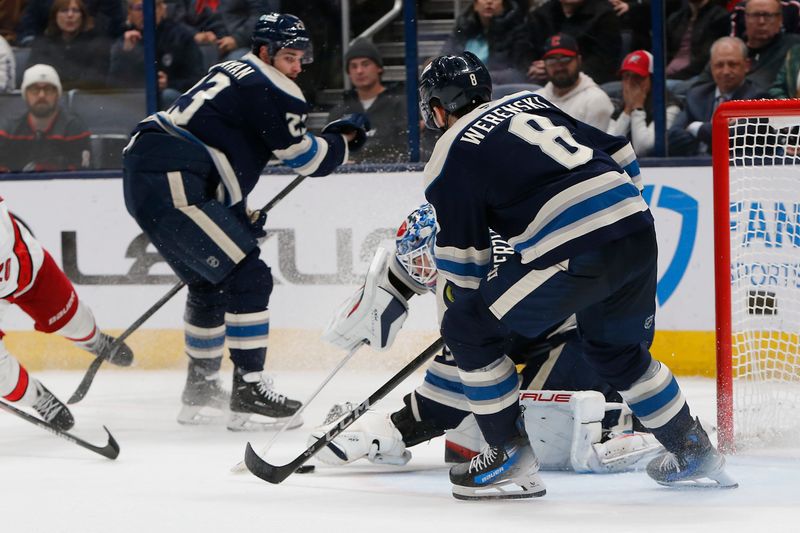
(40, 74)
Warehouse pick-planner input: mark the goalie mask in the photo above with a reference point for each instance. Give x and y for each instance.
(415, 240)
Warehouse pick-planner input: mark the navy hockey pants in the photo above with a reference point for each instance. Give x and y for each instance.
(170, 188)
(611, 290)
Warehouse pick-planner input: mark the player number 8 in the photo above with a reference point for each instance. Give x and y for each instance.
(555, 141)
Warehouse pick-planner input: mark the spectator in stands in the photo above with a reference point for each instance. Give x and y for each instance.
(766, 43)
(385, 105)
(790, 13)
(202, 16)
(240, 18)
(592, 23)
(786, 82)
(570, 89)
(10, 15)
(690, 32)
(72, 47)
(486, 28)
(45, 137)
(691, 132)
(179, 61)
(107, 14)
(635, 119)
(8, 67)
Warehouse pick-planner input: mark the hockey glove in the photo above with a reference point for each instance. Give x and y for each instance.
(355, 122)
(257, 220)
(375, 313)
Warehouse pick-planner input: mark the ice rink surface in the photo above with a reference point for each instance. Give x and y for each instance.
(172, 478)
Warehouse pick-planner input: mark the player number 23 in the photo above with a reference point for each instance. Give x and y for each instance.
(555, 141)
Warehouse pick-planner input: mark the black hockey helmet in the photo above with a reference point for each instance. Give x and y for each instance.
(454, 82)
(278, 31)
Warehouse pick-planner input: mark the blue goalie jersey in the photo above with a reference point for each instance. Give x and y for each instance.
(551, 186)
(241, 112)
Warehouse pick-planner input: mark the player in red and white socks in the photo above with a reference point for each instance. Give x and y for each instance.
(31, 280)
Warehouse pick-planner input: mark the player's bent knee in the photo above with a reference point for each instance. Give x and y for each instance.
(251, 283)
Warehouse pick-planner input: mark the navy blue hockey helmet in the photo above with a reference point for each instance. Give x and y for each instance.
(278, 31)
(454, 82)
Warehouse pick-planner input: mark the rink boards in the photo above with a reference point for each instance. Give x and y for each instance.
(322, 237)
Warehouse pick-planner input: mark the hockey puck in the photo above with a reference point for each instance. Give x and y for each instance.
(305, 469)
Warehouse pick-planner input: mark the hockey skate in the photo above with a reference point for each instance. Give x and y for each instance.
(204, 399)
(51, 409)
(374, 436)
(499, 473)
(256, 406)
(696, 464)
(102, 348)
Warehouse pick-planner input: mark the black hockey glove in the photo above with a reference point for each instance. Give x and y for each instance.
(257, 220)
(355, 122)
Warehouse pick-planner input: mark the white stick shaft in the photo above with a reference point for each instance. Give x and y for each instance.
(240, 466)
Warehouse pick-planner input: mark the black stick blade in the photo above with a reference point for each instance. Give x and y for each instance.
(262, 469)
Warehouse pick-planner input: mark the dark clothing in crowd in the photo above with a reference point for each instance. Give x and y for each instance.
(712, 22)
(109, 18)
(765, 62)
(240, 18)
(176, 54)
(499, 36)
(205, 19)
(63, 146)
(81, 63)
(701, 101)
(388, 138)
(594, 25)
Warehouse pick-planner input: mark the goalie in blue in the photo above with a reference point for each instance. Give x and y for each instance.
(566, 197)
(186, 176)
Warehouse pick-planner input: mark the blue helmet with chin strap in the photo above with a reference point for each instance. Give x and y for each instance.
(453, 82)
(277, 31)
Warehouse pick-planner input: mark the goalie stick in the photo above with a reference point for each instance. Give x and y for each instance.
(110, 450)
(276, 474)
(240, 466)
(88, 377)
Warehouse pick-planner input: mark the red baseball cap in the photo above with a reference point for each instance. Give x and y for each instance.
(560, 44)
(639, 62)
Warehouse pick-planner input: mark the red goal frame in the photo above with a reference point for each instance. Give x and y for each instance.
(722, 247)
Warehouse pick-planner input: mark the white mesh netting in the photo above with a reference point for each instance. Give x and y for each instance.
(765, 280)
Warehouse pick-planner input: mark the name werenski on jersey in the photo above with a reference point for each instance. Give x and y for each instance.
(237, 69)
(499, 115)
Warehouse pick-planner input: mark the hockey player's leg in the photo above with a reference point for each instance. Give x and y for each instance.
(17, 386)
(55, 307)
(204, 399)
(507, 468)
(255, 404)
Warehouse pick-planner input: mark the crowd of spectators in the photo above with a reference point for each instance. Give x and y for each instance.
(590, 57)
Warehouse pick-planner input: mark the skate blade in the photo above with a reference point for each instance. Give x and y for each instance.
(191, 415)
(719, 480)
(256, 422)
(509, 490)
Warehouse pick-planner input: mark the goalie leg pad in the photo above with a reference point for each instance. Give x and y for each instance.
(373, 436)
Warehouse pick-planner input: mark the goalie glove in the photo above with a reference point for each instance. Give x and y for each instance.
(373, 436)
(374, 314)
(357, 123)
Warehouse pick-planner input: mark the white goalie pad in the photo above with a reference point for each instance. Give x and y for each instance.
(374, 314)
(565, 430)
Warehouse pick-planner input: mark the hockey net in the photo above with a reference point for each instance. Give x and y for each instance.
(756, 150)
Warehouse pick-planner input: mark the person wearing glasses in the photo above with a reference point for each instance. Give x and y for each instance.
(45, 137)
(767, 43)
(573, 91)
(72, 46)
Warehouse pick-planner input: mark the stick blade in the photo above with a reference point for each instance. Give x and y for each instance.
(262, 469)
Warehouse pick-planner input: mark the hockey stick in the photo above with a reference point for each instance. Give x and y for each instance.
(88, 377)
(240, 466)
(110, 450)
(276, 474)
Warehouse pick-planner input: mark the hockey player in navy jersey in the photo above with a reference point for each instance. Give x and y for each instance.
(187, 173)
(566, 197)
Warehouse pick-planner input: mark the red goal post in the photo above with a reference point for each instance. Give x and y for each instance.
(755, 153)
